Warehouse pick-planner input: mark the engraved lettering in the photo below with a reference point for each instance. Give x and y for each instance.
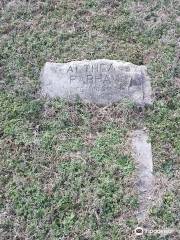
(89, 78)
(91, 68)
(107, 78)
(72, 78)
(95, 68)
(110, 67)
(86, 68)
(102, 67)
(98, 77)
(70, 69)
(76, 69)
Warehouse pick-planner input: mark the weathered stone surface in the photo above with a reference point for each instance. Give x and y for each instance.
(97, 81)
(142, 153)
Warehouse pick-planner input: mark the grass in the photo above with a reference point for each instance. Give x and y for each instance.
(66, 168)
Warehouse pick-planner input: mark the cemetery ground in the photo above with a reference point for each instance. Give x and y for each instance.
(66, 168)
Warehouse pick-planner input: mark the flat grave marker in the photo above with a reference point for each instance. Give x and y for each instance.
(97, 81)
